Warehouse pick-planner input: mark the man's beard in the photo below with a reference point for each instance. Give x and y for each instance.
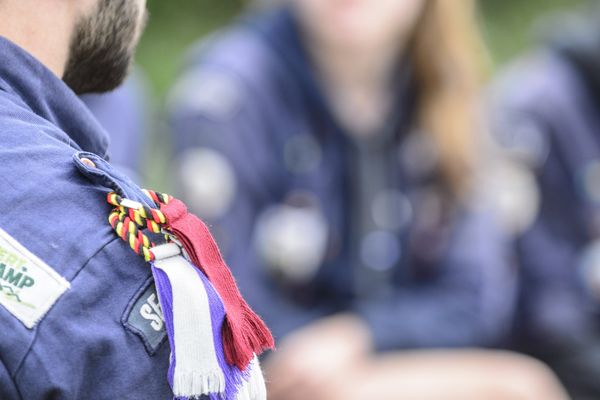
(102, 47)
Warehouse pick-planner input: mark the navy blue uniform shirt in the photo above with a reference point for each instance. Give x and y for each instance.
(79, 322)
(547, 112)
(314, 222)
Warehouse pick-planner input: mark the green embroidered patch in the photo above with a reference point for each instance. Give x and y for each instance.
(28, 286)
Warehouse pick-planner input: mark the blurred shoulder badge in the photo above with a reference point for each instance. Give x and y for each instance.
(28, 286)
(143, 317)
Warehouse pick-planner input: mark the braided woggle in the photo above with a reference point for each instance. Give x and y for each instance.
(157, 197)
(127, 230)
(154, 217)
(128, 221)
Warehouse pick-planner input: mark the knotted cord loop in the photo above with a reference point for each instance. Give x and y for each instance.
(129, 218)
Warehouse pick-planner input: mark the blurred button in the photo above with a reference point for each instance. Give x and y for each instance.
(513, 192)
(292, 241)
(208, 181)
(380, 250)
(391, 210)
(88, 162)
(524, 140)
(302, 154)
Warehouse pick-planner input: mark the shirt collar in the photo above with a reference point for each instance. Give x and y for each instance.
(50, 98)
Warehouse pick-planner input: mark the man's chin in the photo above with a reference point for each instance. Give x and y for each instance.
(103, 45)
(83, 83)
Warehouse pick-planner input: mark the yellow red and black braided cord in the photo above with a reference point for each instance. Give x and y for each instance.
(128, 219)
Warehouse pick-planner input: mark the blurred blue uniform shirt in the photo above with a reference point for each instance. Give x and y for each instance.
(546, 110)
(249, 108)
(55, 206)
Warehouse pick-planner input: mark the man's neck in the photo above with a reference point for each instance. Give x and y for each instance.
(42, 28)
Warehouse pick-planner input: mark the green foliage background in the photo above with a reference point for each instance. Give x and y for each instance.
(175, 24)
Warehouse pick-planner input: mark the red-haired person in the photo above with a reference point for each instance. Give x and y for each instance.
(333, 146)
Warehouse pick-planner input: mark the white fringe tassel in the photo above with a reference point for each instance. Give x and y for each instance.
(254, 387)
(194, 384)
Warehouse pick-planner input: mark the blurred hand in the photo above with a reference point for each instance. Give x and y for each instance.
(310, 359)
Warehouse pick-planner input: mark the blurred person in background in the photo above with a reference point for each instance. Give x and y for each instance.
(124, 114)
(546, 111)
(333, 146)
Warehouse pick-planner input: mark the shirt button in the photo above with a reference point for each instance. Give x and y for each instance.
(391, 210)
(380, 250)
(88, 162)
